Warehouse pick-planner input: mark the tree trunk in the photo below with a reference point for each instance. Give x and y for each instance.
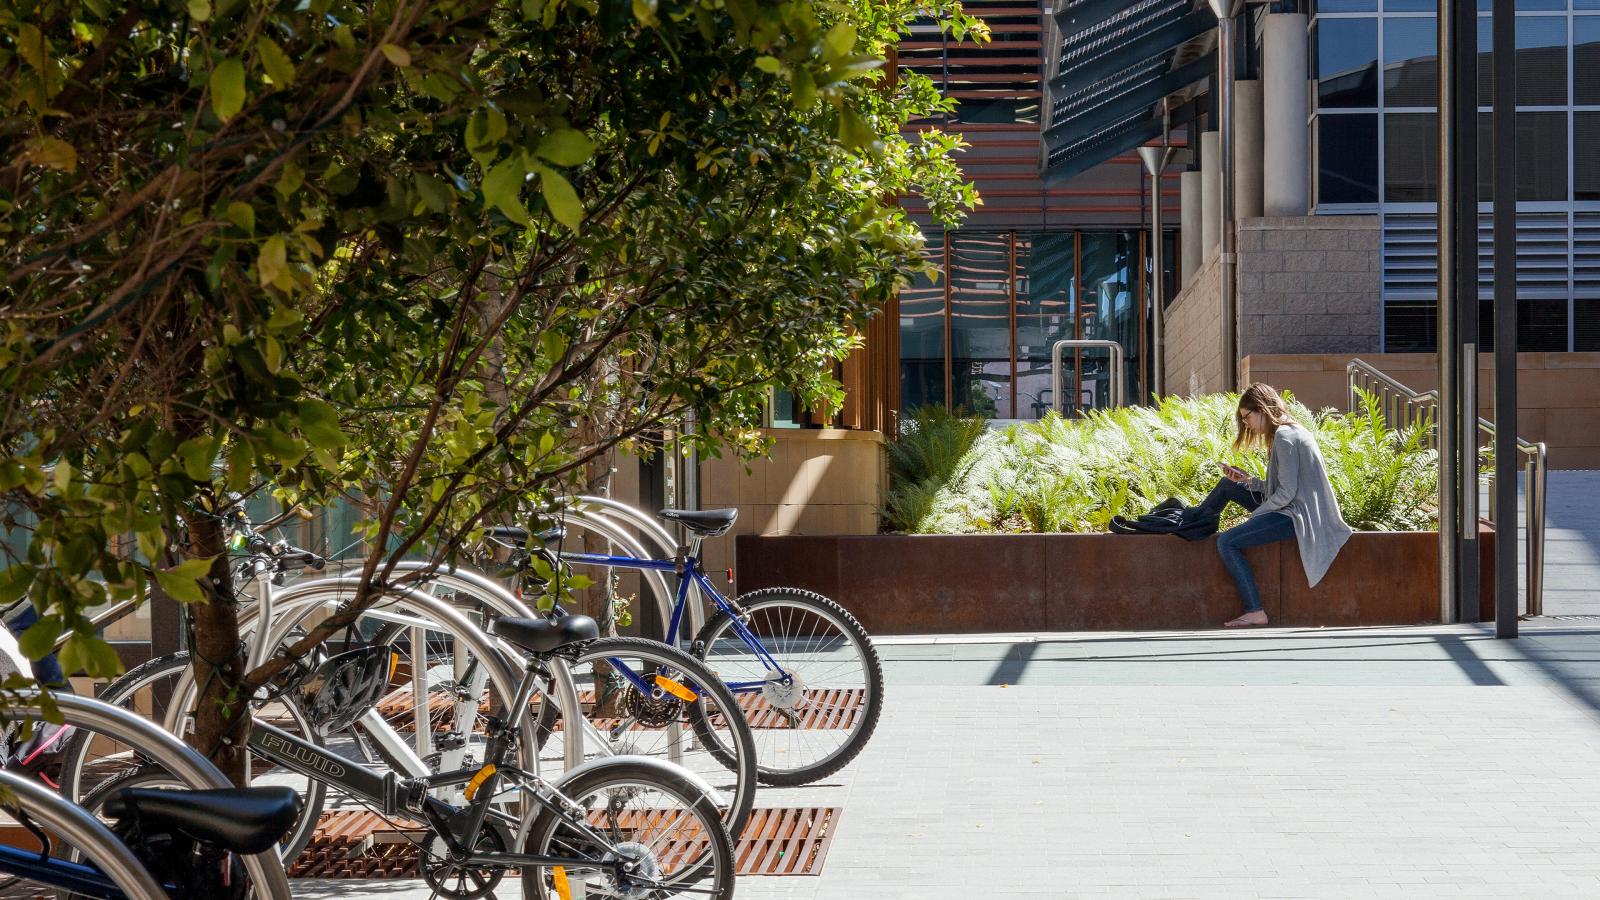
(221, 715)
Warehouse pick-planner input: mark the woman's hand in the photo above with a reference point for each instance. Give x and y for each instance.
(1235, 474)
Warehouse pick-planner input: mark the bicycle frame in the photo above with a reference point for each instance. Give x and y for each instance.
(689, 572)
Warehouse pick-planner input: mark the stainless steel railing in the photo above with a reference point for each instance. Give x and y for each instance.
(1403, 407)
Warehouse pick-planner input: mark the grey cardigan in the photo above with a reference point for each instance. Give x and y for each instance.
(1297, 486)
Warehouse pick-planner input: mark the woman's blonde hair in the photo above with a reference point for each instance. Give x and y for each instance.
(1259, 397)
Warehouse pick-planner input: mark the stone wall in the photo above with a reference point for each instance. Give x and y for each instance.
(1310, 284)
(1194, 334)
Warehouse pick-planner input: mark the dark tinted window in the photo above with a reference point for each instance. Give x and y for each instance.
(1541, 325)
(922, 334)
(1411, 157)
(1346, 6)
(1347, 158)
(1586, 60)
(1347, 62)
(1541, 61)
(1410, 62)
(1541, 156)
(1585, 145)
(1586, 325)
(980, 323)
(1409, 326)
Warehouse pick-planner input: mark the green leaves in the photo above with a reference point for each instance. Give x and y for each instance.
(52, 153)
(272, 265)
(319, 422)
(200, 10)
(396, 54)
(502, 188)
(565, 147)
(182, 582)
(561, 198)
(242, 215)
(275, 62)
(227, 88)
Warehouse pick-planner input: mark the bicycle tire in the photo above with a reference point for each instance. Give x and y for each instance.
(630, 778)
(721, 651)
(720, 726)
(124, 688)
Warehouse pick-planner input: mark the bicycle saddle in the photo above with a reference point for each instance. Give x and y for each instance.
(244, 820)
(707, 522)
(546, 635)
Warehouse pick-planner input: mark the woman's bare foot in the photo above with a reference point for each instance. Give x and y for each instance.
(1255, 617)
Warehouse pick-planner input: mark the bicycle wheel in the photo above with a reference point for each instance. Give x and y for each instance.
(90, 761)
(813, 725)
(645, 814)
(656, 718)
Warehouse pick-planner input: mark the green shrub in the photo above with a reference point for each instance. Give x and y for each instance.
(952, 475)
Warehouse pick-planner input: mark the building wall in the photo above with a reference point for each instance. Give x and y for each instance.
(1310, 284)
(815, 481)
(1558, 393)
(1194, 334)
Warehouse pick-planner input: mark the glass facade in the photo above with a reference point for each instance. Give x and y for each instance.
(1374, 134)
(979, 337)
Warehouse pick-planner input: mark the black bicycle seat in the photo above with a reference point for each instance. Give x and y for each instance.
(546, 635)
(244, 820)
(707, 522)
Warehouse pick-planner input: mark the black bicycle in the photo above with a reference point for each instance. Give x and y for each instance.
(625, 827)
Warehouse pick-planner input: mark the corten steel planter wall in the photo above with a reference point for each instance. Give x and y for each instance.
(922, 584)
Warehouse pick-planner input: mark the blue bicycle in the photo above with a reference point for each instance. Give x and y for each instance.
(803, 670)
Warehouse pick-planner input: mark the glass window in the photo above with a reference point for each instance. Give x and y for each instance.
(1541, 61)
(1109, 311)
(1541, 142)
(1586, 325)
(1535, 5)
(1330, 6)
(1409, 6)
(1485, 61)
(922, 333)
(1541, 325)
(1410, 62)
(1586, 60)
(1586, 4)
(1347, 158)
(1411, 157)
(1410, 326)
(1045, 301)
(1585, 138)
(1347, 62)
(980, 323)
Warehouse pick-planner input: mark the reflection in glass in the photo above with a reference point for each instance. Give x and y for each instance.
(922, 333)
(1541, 61)
(1411, 158)
(980, 323)
(1410, 62)
(1347, 62)
(1347, 158)
(1586, 325)
(1586, 60)
(1044, 313)
(1541, 325)
(1109, 310)
(1585, 140)
(1541, 155)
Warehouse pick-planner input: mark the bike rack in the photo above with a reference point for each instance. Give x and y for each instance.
(1118, 379)
(185, 763)
(84, 833)
(666, 546)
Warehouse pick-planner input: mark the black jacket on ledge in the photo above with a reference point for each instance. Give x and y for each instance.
(1170, 516)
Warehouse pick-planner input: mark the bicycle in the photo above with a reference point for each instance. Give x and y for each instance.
(802, 665)
(622, 826)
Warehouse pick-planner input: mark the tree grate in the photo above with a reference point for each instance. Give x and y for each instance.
(777, 841)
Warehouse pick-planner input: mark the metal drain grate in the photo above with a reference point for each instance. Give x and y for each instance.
(1572, 618)
(832, 708)
(359, 844)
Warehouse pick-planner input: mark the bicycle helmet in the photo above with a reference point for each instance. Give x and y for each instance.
(344, 686)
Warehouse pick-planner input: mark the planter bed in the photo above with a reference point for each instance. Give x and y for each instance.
(930, 584)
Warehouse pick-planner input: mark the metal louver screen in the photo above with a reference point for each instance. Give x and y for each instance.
(1557, 258)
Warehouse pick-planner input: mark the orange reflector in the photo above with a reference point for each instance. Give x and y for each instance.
(478, 780)
(394, 663)
(558, 880)
(676, 689)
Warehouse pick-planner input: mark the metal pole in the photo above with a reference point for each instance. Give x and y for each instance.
(1155, 162)
(1465, 65)
(1505, 325)
(1447, 427)
(1227, 252)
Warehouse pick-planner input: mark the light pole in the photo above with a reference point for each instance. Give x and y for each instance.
(1155, 162)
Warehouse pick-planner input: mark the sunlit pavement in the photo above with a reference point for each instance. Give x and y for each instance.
(1430, 761)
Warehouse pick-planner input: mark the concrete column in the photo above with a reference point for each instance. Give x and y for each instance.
(1285, 159)
(1189, 216)
(1247, 150)
(1210, 194)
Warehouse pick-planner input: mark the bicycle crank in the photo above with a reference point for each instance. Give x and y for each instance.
(455, 879)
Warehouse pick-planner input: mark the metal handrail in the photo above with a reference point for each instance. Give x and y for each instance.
(1118, 377)
(1401, 404)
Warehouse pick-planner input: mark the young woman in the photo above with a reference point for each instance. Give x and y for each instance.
(1296, 501)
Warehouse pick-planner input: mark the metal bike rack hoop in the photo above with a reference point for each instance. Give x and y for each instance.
(85, 834)
(1118, 385)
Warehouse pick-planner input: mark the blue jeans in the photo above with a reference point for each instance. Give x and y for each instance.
(46, 671)
(1253, 532)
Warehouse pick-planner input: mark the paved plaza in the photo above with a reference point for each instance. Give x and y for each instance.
(1342, 763)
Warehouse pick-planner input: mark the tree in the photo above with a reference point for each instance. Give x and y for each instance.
(392, 250)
